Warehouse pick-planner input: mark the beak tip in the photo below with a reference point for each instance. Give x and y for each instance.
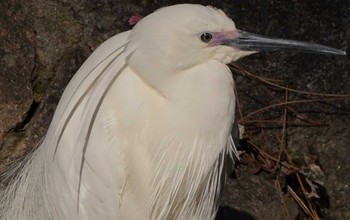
(341, 53)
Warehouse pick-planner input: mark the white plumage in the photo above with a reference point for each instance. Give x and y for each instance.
(142, 130)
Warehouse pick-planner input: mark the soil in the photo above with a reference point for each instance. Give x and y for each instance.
(44, 42)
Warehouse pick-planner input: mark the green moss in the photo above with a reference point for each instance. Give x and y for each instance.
(298, 161)
(39, 89)
(11, 141)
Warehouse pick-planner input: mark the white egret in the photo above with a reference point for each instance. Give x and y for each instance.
(143, 129)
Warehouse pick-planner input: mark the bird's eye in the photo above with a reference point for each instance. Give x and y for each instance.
(206, 37)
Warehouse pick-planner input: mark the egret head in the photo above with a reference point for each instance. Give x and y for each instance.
(176, 38)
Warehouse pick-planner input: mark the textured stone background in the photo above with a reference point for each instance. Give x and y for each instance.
(44, 42)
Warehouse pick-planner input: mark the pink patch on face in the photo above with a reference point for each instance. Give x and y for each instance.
(134, 19)
(220, 37)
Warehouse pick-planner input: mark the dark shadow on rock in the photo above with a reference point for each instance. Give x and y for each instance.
(227, 213)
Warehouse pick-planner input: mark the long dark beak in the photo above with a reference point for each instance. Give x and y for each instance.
(253, 42)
